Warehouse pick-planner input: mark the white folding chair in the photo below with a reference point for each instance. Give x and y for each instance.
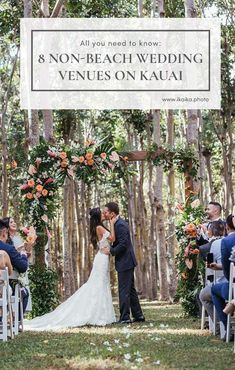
(17, 305)
(204, 317)
(5, 305)
(231, 295)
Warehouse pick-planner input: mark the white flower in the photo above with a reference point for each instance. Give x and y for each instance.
(92, 344)
(139, 360)
(163, 326)
(126, 345)
(137, 353)
(151, 324)
(106, 343)
(109, 349)
(127, 356)
(156, 362)
(116, 341)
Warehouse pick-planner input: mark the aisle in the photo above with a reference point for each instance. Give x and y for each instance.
(165, 341)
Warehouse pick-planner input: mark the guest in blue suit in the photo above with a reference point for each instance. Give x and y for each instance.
(125, 262)
(220, 291)
(19, 261)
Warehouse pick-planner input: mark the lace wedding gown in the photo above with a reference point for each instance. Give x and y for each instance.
(91, 304)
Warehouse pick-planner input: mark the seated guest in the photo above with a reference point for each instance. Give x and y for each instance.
(15, 239)
(5, 262)
(215, 233)
(18, 260)
(220, 290)
(213, 212)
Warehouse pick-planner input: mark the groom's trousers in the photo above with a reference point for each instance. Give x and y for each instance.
(128, 298)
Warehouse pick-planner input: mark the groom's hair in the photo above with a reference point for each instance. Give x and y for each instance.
(113, 207)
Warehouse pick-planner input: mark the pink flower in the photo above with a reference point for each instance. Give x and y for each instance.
(111, 165)
(32, 169)
(25, 230)
(52, 154)
(24, 186)
(179, 206)
(38, 195)
(114, 157)
(38, 162)
(75, 159)
(48, 181)
(186, 251)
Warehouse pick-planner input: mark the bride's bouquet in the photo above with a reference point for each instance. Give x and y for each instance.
(26, 239)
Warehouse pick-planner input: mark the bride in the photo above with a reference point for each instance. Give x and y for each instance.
(92, 303)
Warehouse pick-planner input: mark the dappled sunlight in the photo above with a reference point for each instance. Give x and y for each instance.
(137, 330)
(97, 363)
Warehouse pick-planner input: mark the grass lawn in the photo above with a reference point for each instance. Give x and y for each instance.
(166, 340)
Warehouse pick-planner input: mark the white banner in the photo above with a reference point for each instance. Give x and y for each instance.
(115, 63)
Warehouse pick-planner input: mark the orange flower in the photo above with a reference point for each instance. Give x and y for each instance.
(64, 163)
(29, 195)
(44, 192)
(190, 229)
(103, 155)
(89, 156)
(31, 183)
(90, 162)
(30, 239)
(125, 158)
(88, 142)
(184, 276)
(81, 159)
(39, 188)
(13, 164)
(63, 155)
(195, 251)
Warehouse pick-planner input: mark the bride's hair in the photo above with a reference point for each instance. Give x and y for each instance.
(95, 220)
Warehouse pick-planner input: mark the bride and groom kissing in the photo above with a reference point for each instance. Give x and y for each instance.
(92, 303)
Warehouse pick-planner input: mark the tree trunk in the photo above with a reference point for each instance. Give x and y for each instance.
(58, 8)
(171, 242)
(160, 221)
(48, 126)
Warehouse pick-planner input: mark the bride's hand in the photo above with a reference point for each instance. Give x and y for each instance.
(105, 250)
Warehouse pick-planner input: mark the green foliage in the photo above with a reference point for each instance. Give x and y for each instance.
(50, 165)
(190, 267)
(182, 157)
(43, 287)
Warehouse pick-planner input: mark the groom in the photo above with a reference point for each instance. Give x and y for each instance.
(125, 263)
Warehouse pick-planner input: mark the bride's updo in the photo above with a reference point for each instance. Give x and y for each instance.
(95, 220)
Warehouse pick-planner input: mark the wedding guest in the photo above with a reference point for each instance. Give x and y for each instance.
(213, 212)
(219, 291)
(215, 233)
(5, 262)
(19, 260)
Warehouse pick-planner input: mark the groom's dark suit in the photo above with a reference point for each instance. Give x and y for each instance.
(125, 263)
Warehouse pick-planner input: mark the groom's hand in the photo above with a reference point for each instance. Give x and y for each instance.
(105, 250)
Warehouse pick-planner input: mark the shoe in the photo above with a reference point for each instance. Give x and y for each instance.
(124, 321)
(229, 309)
(139, 319)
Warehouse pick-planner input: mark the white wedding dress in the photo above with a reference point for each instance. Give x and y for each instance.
(91, 304)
